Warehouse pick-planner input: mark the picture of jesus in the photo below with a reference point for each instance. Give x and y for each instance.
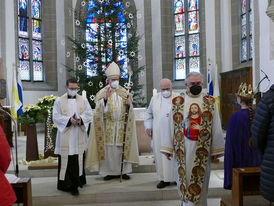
(192, 122)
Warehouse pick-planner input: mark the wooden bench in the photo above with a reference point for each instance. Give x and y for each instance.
(23, 191)
(245, 188)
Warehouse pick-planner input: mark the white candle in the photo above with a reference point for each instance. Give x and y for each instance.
(84, 94)
(154, 92)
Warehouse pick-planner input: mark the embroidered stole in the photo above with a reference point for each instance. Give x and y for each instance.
(193, 191)
(66, 134)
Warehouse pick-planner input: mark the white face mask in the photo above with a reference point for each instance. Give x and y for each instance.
(71, 92)
(114, 84)
(166, 93)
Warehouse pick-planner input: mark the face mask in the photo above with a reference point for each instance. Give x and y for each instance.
(114, 84)
(71, 92)
(195, 90)
(166, 93)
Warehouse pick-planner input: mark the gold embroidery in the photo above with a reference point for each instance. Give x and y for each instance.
(192, 193)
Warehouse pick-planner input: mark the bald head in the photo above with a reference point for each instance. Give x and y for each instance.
(166, 87)
(165, 84)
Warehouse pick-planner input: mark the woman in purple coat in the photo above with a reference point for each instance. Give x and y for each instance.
(239, 150)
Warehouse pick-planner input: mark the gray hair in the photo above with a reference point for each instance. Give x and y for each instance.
(193, 74)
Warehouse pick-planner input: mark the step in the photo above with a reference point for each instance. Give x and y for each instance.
(141, 187)
(50, 169)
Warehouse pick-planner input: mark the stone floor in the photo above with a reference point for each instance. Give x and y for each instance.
(140, 190)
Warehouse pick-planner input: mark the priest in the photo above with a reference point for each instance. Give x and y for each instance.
(72, 115)
(156, 126)
(196, 135)
(106, 147)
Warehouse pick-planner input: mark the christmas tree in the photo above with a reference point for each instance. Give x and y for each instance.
(106, 32)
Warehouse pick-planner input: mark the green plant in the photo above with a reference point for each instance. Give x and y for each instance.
(32, 114)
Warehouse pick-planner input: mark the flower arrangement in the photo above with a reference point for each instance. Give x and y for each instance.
(31, 114)
(46, 102)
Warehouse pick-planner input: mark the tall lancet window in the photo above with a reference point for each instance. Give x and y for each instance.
(106, 36)
(246, 50)
(30, 40)
(187, 37)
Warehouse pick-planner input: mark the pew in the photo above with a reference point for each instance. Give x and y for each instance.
(245, 188)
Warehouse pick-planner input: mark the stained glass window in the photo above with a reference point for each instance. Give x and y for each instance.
(112, 34)
(246, 21)
(187, 37)
(30, 40)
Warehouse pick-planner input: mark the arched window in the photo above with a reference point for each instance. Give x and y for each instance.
(246, 50)
(106, 36)
(187, 37)
(30, 40)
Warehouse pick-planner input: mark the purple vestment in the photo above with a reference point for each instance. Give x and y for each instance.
(237, 150)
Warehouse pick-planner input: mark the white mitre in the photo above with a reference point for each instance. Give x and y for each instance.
(113, 71)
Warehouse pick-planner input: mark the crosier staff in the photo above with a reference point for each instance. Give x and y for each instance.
(125, 123)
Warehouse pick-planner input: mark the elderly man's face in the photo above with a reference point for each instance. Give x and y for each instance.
(194, 80)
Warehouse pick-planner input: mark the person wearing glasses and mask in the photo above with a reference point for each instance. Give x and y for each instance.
(196, 135)
(72, 115)
(156, 125)
(105, 147)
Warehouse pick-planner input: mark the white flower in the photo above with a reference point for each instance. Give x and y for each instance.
(101, 84)
(127, 60)
(132, 93)
(83, 45)
(90, 83)
(101, 1)
(126, 85)
(121, 52)
(130, 15)
(110, 42)
(77, 59)
(80, 67)
(77, 22)
(128, 25)
(131, 83)
(132, 54)
(92, 97)
(68, 54)
(83, 3)
(128, 4)
(86, 64)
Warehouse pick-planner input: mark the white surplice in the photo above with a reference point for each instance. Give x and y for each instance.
(61, 122)
(112, 164)
(157, 119)
(217, 147)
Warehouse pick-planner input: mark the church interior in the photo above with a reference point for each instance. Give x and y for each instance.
(43, 43)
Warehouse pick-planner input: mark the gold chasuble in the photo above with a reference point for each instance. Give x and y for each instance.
(105, 131)
(193, 190)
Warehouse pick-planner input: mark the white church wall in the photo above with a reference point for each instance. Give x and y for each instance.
(266, 45)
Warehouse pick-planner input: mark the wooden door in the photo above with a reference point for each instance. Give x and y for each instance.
(230, 82)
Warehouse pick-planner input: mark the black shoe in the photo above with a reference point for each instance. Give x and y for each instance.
(74, 192)
(162, 184)
(125, 177)
(109, 177)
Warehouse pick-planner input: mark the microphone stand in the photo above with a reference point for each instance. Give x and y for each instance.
(15, 134)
